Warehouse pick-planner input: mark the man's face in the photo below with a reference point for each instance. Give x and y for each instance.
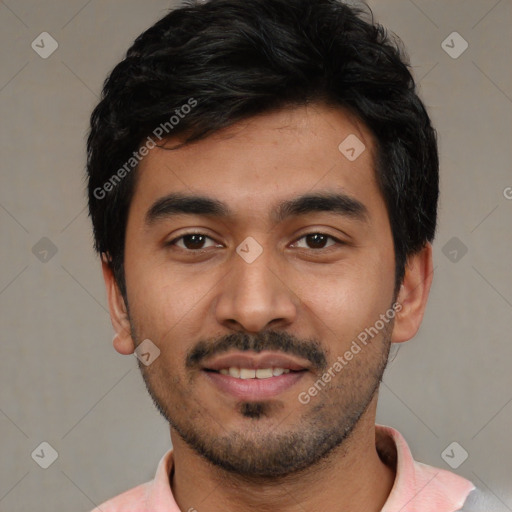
(253, 283)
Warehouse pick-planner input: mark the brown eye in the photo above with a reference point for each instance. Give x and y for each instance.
(317, 241)
(192, 241)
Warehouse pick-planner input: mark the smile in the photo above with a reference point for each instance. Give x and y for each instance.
(252, 384)
(251, 373)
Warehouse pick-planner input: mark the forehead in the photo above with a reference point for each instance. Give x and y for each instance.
(257, 162)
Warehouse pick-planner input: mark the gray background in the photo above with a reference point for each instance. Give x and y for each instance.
(60, 379)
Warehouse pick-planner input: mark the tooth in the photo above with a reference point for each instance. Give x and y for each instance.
(264, 373)
(247, 373)
(234, 371)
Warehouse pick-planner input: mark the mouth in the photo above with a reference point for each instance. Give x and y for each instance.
(254, 377)
(252, 373)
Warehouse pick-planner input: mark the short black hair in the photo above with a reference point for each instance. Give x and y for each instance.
(207, 65)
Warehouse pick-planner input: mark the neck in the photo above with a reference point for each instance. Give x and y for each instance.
(351, 479)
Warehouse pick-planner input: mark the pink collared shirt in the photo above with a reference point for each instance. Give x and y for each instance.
(418, 487)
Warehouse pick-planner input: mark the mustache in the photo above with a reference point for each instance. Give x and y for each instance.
(284, 342)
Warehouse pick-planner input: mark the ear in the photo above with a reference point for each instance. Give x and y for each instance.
(413, 295)
(122, 341)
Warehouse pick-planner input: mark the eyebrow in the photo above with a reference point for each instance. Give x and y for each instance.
(179, 204)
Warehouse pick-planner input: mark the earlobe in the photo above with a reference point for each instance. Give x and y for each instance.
(122, 341)
(413, 295)
(123, 344)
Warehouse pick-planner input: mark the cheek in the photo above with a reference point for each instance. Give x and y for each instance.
(167, 305)
(346, 302)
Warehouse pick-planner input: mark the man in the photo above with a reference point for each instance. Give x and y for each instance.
(263, 185)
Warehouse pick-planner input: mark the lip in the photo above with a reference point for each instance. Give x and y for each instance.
(255, 361)
(253, 389)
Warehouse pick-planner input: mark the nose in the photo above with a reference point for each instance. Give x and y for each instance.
(255, 295)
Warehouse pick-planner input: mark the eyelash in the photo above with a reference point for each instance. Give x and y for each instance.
(175, 240)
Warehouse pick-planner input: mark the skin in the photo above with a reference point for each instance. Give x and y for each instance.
(321, 296)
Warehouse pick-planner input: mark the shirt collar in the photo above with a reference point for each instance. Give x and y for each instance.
(417, 486)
